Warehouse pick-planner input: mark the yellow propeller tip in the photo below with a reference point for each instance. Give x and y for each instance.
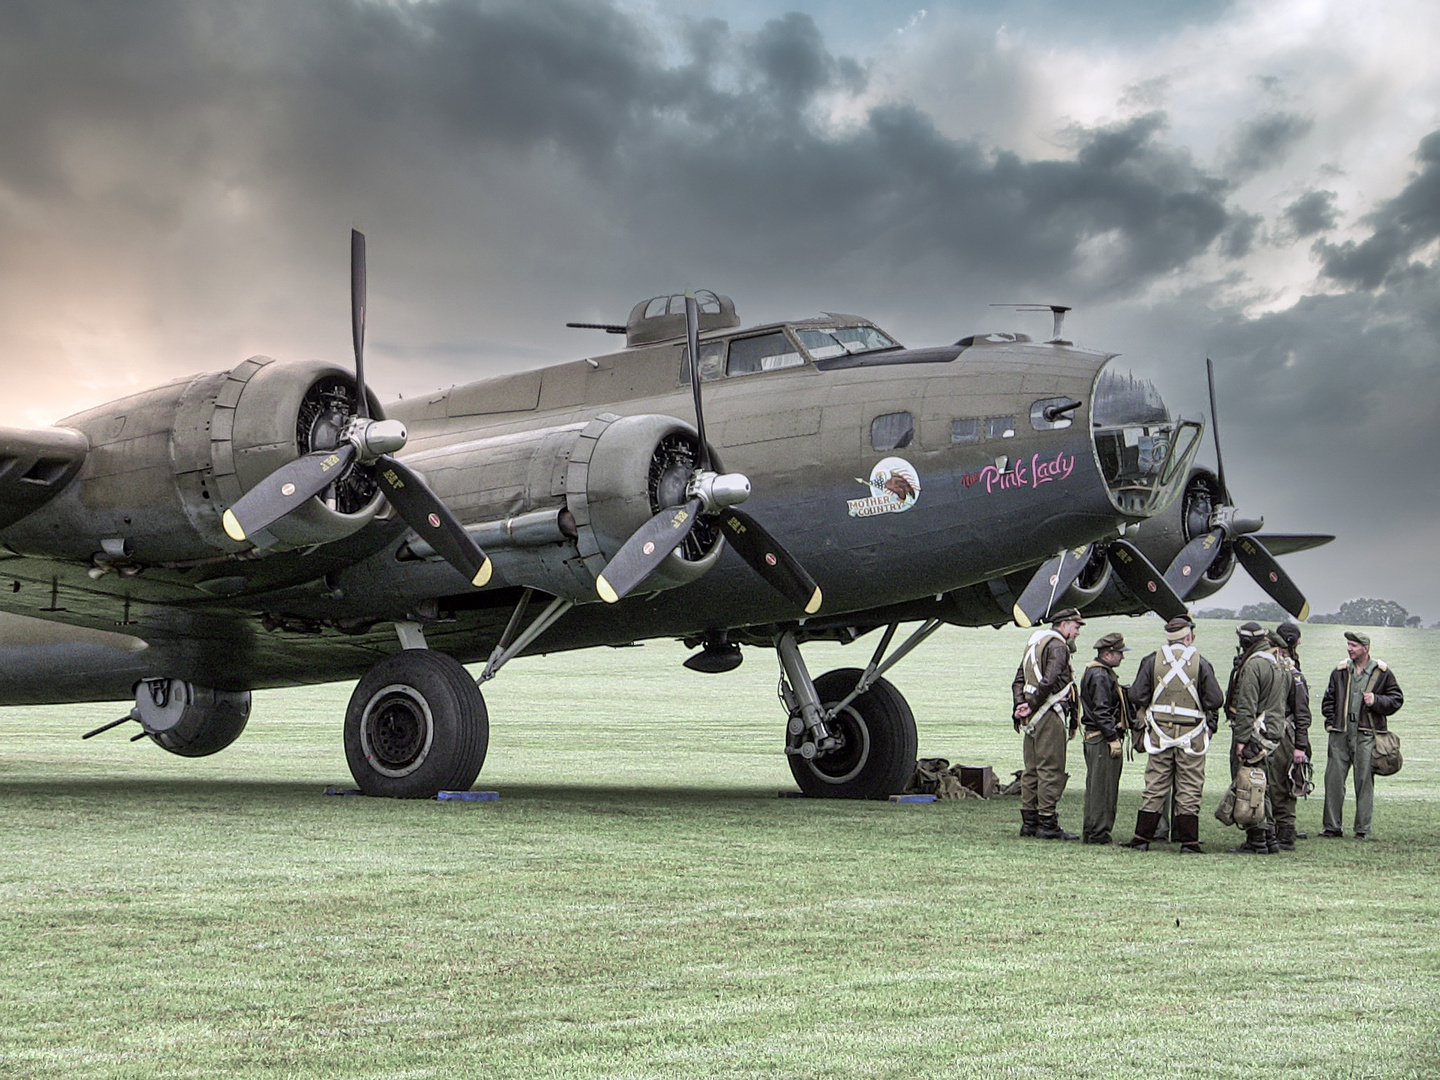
(1021, 619)
(814, 604)
(608, 594)
(1304, 612)
(232, 527)
(482, 576)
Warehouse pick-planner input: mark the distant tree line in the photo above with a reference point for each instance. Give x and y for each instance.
(1361, 612)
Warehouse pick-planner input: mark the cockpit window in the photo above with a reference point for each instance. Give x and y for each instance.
(833, 341)
(767, 352)
(1143, 453)
(712, 361)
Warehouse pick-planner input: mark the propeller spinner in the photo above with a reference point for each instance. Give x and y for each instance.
(364, 443)
(714, 497)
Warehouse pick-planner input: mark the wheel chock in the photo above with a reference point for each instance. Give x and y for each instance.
(912, 798)
(468, 796)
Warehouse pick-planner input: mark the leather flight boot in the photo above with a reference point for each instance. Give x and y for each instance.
(1272, 840)
(1187, 831)
(1145, 823)
(1050, 829)
(1029, 822)
(1286, 836)
(1257, 842)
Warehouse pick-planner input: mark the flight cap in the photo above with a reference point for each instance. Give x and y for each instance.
(1070, 614)
(1115, 641)
(1178, 627)
(1250, 631)
(1289, 633)
(1357, 637)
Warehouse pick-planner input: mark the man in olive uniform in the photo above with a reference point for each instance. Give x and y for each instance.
(1105, 720)
(1044, 694)
(1294, 749)
(1252, 639)
(1257, 722)
(1361, 695)
(1182, 699)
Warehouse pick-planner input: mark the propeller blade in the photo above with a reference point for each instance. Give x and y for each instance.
(285, 489)
(1140, 577)
(357, 316)
(647, 548)
(422, 510)
(1195, 558)
(1215, 430)
(1050, 582)
(692, 339)
(1261, 566)
(768, 559)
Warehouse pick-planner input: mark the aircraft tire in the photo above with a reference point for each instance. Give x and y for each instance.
(416, 725)
(877, 759)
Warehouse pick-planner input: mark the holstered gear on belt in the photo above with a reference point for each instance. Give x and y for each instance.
(1063, 700)
(1175, 716)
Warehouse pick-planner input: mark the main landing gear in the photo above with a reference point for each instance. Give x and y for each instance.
(851, 734)
(416, 725)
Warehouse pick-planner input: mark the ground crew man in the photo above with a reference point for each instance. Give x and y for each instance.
(1044, 694)
(1182, 701)
(1105, 720)
(1294, 749)
(1361, 695)
(1257, 705)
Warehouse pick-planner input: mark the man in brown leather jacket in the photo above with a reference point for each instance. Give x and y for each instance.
(1105, 722)
(1360, 697)
(1044, 695)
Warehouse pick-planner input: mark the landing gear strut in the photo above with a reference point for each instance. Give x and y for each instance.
(851, 734)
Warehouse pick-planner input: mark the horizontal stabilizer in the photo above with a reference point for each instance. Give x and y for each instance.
(1289, 543)
(35, 466)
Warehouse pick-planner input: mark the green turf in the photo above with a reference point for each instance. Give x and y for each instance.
(640, 904)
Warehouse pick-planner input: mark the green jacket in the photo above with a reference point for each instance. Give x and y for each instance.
(1261, 690)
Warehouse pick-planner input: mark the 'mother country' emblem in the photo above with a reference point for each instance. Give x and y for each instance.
(894, 485)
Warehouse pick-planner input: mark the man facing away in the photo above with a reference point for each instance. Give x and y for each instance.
(1361, 695)
(1105, 720)
(1182, 699)
(1044, 695)
(1294, 749)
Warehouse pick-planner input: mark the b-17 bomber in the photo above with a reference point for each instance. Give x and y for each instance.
(276, 524)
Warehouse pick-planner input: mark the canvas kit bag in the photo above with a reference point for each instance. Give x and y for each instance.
(1385, 758)
(1244, 802)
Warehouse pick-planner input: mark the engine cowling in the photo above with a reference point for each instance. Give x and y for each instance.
(164, 465)
(1162, 537)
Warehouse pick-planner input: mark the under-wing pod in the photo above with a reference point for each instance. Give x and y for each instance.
(164, 465)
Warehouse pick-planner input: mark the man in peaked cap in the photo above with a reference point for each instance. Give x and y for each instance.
(1358, 702)
(1044, 695)
(1105, 720)
(1182, 699)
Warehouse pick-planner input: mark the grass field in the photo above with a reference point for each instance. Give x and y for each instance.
(639, 903)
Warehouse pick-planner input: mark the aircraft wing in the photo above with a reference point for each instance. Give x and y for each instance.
(1289, 543)
(35, 466)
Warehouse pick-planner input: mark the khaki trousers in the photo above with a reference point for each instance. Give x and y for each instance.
(1043, 781)
(1346, 750)
(1174, 768)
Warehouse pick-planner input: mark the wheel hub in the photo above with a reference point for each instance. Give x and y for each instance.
(396, 731)
(846, 751)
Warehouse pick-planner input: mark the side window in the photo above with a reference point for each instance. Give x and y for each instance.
(764, 353)
(712, 361)
(1040, 422)
(964, 431)
(892, 431)
(1000, 427)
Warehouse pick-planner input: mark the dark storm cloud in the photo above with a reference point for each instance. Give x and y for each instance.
(1313, 212)
(371, 103)
(1401, 225)
(1264, 142)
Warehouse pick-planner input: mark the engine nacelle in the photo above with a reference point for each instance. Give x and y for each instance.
(165, 464)
(190, 720)
(1163, 537)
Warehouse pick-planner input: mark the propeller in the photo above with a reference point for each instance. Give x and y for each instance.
(714, 497)
(1196, 557)
(1050, 582)
(370, 444)
(1143, 579)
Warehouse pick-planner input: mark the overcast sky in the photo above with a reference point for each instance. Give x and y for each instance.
(1256, 181)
